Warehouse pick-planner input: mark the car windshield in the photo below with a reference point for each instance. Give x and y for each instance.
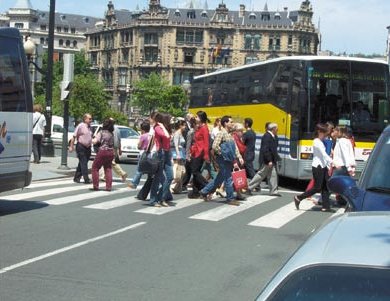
(128, 133)
(342, 283)
(377, 172)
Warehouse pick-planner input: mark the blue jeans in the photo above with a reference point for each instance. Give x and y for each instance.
(168, 173)
(224, 176)
(137, 177)
(158, 179)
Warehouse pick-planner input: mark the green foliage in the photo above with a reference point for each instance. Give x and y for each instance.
(120, 118)
(155, 94)
(88, 96)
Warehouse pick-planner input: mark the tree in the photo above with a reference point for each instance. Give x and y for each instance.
(88, 95)
(155, 94)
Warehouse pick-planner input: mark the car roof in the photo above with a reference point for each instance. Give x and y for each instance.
(356, 238)
(387, 129)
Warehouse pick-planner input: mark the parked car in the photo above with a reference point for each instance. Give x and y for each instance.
(129, 143)
(57, 128)
(347, 259)
(372, 192)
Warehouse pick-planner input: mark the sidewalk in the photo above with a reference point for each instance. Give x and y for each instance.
(49, 168)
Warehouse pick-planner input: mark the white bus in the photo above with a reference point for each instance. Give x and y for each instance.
(15, 112)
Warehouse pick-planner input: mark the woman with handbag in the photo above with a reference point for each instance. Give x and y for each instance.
(200, 153)
(105, 154)
(164, 174)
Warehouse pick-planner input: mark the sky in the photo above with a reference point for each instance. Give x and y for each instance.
(351, 26)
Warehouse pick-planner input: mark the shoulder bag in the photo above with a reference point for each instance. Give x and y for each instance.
(148, 161)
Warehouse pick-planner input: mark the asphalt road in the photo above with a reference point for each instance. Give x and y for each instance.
(61, 241)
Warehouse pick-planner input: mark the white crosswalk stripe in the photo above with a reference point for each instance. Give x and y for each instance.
(114, 203)
(180, 204)
(51, 193)
(278, 218)
(224, 211)
(26, 195)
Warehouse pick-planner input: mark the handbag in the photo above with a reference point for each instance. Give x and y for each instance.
(239, 179)
(148, 161)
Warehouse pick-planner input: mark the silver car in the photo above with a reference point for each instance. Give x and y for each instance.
(347, 259)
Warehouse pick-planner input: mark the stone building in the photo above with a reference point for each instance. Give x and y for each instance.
(184, 42)
(68, 32)
(388, 45)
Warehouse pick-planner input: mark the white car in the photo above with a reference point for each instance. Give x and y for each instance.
(57, 128)
(129, 143)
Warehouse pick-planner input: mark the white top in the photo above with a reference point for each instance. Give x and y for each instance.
(343, 154)
(320, 157)
(214, 132)
(39, 127)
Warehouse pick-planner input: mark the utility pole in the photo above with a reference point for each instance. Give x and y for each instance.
(66, 86)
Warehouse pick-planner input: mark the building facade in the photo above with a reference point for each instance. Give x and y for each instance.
(68, 32)
(388, 45)
(182, 43)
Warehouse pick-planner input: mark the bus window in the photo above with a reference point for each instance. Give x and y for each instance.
(12, 85)
(370, 106)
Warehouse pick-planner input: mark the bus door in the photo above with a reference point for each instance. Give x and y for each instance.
(281, 82)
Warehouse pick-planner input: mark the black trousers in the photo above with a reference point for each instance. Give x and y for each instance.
(198, 181)
(188, 174)
(321, 177)
(83, 154)
(250, 170)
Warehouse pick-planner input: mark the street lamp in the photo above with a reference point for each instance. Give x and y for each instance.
(29, 47)
(187, 89)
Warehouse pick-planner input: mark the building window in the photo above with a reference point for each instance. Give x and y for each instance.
(73, 30)
(42, 41)
(43, 27)
(189, 36)
(19, 25)
(126, 37)
(290, 40)
(66, 29)
(61, 42)
(252, 42)
(74, 44)
(189, 56)
(191, 14)
(151, 54)
(59, 29)
(93, 59)
(150, 39)
(122, 77)
(251, 59)
(67, 43)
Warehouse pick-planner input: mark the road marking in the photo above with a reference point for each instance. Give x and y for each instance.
(84, 196)
(68, 248)
(49, 183)
(113, 204)
(48, 192)
(224, 211)
(282, 216)
(180, 204)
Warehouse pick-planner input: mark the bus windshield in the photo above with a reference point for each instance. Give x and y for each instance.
(349, 93)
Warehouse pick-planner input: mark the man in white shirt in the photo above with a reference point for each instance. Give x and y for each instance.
(39, 123)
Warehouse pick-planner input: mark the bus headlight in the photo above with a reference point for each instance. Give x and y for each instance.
(306, 156)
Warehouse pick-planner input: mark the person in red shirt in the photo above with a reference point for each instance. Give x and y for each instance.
(164, 174)
(199, 153)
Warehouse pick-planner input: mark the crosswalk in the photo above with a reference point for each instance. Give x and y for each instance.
(64, 191)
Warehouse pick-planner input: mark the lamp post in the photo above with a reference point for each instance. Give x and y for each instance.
(187, 89)
(29, 48)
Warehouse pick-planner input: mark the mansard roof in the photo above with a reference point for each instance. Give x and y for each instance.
(70, 20)
(206, 16)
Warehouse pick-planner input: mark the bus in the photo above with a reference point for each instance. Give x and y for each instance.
(297, 92)
(16, 106)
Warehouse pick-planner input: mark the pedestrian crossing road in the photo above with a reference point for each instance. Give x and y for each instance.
(62, 192)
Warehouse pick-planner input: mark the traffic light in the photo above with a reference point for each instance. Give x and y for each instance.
(67, 81)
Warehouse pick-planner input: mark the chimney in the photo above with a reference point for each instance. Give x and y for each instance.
(242, 10)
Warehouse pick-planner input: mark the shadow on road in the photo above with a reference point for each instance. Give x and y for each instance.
(12, 207)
